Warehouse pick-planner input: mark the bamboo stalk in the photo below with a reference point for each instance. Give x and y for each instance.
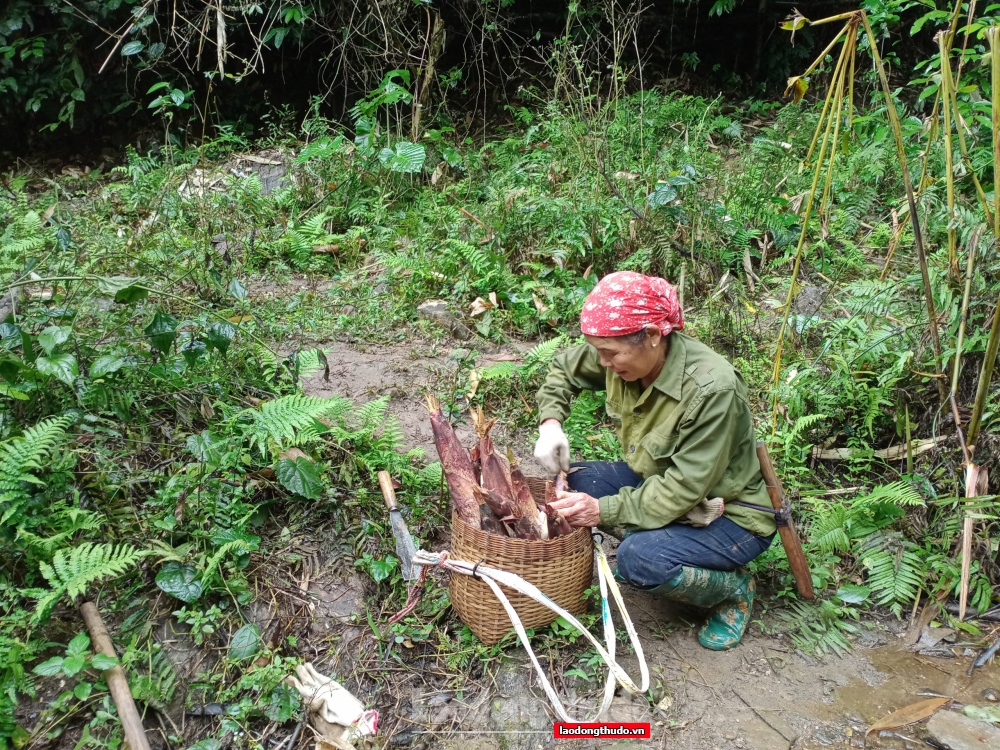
(952, 88)
(851, 43)
(835, 93)
(993, 343)
(969, 268)
(976, 484)
(918, 240)
(826, 102)
(944, 49)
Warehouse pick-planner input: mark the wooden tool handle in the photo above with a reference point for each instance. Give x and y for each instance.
(135, 734)
(388, 491)
(789, 536)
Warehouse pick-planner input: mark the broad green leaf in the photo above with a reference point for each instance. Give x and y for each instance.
(180, 581)
(209, 743)
(853, 594)
(102, 662)
(177, 96)
(237, 289)
(49, 668)
(382, 569)
(162, 331)
(225, 536)
(61, 366)
(130, 295)
(132, 48)
(452, 156)
(83, 690)
(282, 704)
(220, 335)
(300, 476)
(107, 364)
(73, 664)
(406, 157)
(52, 336)
(79, 645)
(193, 350)
(662, 195)
(12, 392)
(205, 447)
(245, 642)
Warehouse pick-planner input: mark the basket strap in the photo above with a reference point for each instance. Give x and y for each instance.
(493, 577)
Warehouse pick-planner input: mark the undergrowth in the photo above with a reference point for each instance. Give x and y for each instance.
(157, 445)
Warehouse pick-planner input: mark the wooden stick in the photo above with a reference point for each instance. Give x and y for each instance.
(135, 735)
(789, 536)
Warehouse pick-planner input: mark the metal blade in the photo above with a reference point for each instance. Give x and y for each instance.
(405, 549)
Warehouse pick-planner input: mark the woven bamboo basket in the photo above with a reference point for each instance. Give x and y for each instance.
(562, 568)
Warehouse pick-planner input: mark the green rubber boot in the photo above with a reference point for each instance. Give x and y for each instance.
(729, 619)
(728, 593)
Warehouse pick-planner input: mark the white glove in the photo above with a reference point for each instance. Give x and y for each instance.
(339, 717)
(552, 448)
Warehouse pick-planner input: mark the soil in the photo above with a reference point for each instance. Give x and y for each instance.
(764, 694)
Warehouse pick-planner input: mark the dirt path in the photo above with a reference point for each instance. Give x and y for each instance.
(764, 694)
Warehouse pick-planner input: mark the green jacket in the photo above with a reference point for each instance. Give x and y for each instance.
(690, 434)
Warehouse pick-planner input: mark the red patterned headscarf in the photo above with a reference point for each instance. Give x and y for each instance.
(626, 302)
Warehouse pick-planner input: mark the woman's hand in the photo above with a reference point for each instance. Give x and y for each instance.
(578, 508)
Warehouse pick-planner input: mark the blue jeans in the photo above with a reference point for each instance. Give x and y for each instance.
(651, 557)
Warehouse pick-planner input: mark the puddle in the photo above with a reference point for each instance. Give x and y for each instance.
(900, 678)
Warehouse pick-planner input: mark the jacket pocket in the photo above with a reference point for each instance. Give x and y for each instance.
(659, 447)
(614, 411)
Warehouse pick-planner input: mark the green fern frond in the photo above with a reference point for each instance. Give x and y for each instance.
(543, 353)
(820, 627)
(828, 531)
(268, 361)
(23, 455)
(369, 416)
(277, 422)
(72, 570)
(802, 424)
(899, 493)
(499, 371)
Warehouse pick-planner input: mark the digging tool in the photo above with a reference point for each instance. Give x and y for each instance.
(786, 527)
(405, 548)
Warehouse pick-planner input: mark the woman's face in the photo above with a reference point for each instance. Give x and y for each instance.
(627, 360)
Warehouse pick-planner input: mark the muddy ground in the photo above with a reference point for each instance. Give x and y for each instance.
(764, 694)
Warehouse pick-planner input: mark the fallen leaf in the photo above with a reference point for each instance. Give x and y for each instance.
(539, 305)
(479, 306)
(908, 714)
(238, 319)
(47, 214)
(493, 299)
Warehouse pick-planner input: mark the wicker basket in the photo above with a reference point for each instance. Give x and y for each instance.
(562, 568)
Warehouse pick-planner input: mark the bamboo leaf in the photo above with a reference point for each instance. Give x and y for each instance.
(909, 714)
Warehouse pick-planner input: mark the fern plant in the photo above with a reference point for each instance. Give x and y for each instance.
(822, 627)
(281, 422)
(20, 457)
(73, 569)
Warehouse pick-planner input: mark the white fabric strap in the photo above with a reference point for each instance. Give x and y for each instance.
(493, 577)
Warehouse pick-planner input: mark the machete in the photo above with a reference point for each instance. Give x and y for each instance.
(786, 526)
(404, 542)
